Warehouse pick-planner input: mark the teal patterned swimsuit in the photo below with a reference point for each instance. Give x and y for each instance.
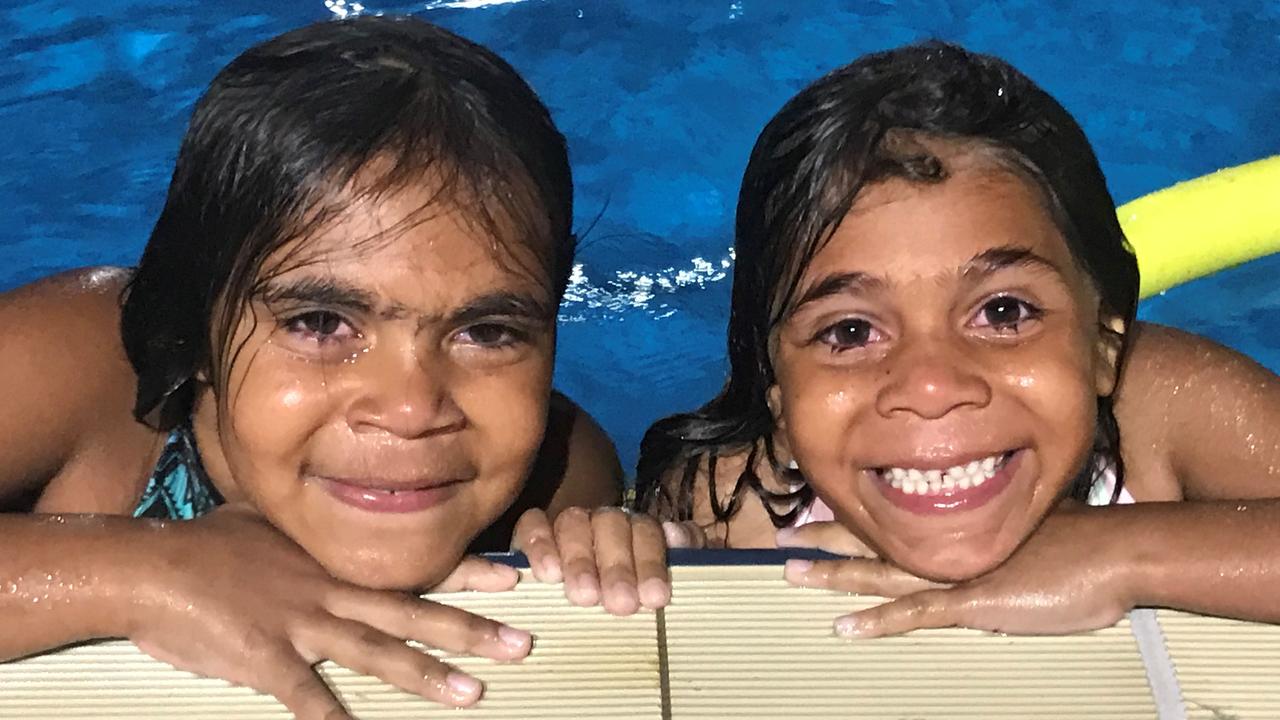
(178, 489)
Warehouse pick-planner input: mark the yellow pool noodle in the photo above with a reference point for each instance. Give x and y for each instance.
(1201, 226)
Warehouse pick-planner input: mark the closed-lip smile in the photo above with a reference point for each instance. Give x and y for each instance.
(390, 496)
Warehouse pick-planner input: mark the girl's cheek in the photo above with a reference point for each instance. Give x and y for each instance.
(275, 406)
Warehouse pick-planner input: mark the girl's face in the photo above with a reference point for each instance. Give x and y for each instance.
(937, 375)
(386, 398)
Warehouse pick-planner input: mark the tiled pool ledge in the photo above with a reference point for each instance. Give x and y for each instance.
(736, 642)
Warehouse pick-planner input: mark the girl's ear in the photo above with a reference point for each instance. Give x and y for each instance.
(1110, 341)
(773, 397)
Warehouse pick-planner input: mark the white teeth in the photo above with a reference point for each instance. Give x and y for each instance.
(913, 481)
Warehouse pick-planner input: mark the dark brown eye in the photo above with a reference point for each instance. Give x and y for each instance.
(492, 335)
(1006, 313)
(1002, 311)
(320, 325)
(851, 333)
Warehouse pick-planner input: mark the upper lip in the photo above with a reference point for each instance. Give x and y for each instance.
(937, 461)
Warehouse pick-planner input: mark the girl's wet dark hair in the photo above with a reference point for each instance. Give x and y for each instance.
(861, 124)
(299, 129)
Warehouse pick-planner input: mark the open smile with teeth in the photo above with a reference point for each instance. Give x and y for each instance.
(914, 481)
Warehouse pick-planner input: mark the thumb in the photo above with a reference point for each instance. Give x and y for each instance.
(684, 535)
(479, 574)
(828, 535)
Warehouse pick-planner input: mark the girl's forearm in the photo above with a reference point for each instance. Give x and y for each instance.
(69, 578)
(1210, 557)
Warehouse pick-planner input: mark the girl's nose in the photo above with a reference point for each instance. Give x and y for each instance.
(405, 392)
(930, 380)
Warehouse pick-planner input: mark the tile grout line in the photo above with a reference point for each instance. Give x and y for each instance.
(664, 665)
(1162, 676)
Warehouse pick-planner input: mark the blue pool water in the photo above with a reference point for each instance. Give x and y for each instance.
(661, 101)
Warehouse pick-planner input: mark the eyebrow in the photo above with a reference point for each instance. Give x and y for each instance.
(502, 304)
(323, 291)
(334, 293)
(984, 263)
(840, 283)
(1007, 256)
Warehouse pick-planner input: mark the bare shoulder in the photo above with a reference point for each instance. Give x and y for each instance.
(592, 474)
(64, 375)
(1162, 354)
(1187, 404)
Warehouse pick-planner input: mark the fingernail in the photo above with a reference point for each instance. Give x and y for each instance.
(796, 570)
(586, 591)
(551, 570)
(465, 688)
(674, 535)
(654, 593)
(848, 627)
(515, 639)
(785, 536)
(622, 599)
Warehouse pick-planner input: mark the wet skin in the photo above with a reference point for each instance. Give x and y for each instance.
(943, 324)
(387, 398)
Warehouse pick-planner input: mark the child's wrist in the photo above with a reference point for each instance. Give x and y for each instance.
(1136, 571)
(140, 574)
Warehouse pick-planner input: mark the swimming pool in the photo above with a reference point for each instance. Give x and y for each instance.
(661, 101)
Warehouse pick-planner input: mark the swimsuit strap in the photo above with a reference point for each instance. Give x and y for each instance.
(178, 489)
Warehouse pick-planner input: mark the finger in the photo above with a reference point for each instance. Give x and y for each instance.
(533, 536)
(297, 686)
(480, 575)
(368, 651)
(649, 549)
(448, 628)
(855, 575)
(684, 535)
(572, 529)
(828, 535)
(611, 529)
(925, 609)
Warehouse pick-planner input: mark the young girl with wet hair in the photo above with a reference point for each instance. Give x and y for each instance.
(932, 342)
(334, 359)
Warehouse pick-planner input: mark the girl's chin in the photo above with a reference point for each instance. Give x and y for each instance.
(402, 574)
(953, 564)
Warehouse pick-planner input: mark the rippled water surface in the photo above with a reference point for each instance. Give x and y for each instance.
(661, 101)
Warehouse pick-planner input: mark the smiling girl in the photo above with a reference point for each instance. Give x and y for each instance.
(932, 342)
(334, 358)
